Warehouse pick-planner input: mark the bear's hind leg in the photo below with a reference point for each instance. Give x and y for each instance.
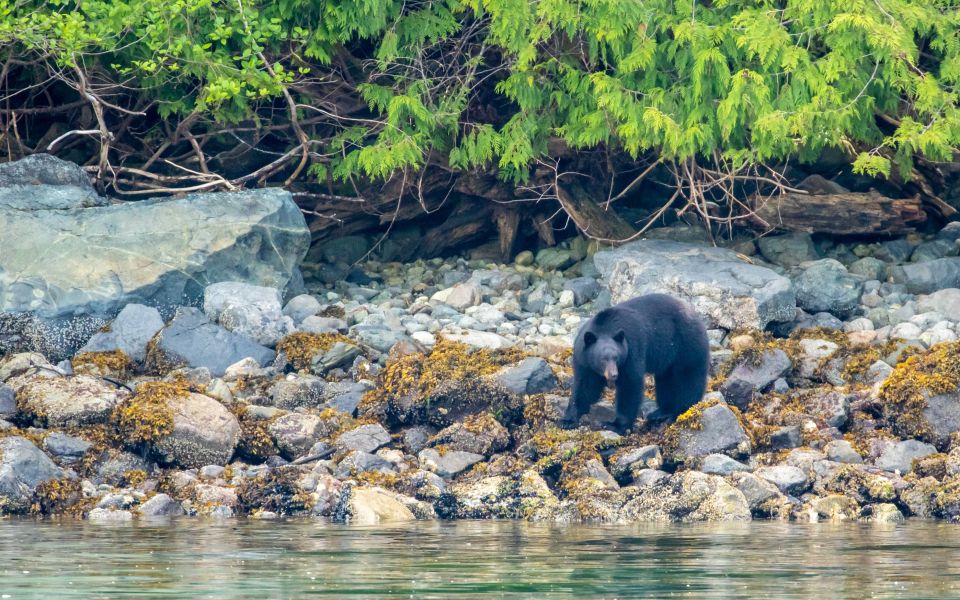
(680, 388)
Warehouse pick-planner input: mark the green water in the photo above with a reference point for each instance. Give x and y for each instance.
(303, 559)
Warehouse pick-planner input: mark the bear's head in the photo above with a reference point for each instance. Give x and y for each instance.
(606, 354)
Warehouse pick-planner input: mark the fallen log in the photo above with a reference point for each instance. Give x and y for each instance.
(849, 213)
(593, 220)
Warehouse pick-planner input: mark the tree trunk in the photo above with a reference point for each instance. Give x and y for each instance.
(593, 220)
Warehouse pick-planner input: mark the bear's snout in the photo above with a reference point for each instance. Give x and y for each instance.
(610, 373)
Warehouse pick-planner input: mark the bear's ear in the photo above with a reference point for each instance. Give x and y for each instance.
(589, 338)
(620, 337)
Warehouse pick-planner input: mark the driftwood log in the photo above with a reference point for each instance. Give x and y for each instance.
(848, 213)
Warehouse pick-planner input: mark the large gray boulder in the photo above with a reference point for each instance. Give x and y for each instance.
(725, 290)
(826, 286)
(928, 277)
(68, 262)
(23, 467)
(191, 340)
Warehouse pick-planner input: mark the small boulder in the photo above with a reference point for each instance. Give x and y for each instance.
(366, 438)
(68, 401)
(295, 433)
(449, 464)
(788, 479)
(192, 340)
(370, 506)
(161, 505)
(899, 457)
(252, 311)
(715, 429)
(129, 332)
(826, 286)
(532, 376)
(721, 464)
(748, 378)
(23, 467)
(204, 433)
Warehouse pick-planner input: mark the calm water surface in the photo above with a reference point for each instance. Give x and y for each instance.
(303, 559)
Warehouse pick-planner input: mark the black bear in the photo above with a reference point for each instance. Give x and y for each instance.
(655, 334)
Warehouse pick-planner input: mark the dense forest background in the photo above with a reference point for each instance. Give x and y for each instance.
(514, 113)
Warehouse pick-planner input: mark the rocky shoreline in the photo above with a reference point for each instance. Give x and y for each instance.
(435, 390)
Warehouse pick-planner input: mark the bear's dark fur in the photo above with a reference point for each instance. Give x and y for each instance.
(655, 334)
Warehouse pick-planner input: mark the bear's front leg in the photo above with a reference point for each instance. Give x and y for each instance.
(629, 397)
(587, 389)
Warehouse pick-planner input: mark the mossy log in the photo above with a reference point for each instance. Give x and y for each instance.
(849, 213)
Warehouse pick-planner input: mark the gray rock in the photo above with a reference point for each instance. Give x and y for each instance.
(191, 340)
(719, 431)
(416, 439)
(895, 251)
(933, 250)
(252, 311)
(788, 250)
(68, 401)
(345, 396)
(160, 253)
(44, 169)
(461, 295)
(945, 302)
(584, 289)
(295, 433)
(23, 467)
(449, 464)
(204, 433)
(129, 332)
(900, 456)
(8, 401)
(370, 506)
(826, 286)
(631, 462)
(687, 497)
(842, 451)
(746, 379)
(297, 391)
(347, 249)
(950, 232)
(869, 268)
(339, 355)
(788, 479)
(317, 324)
(721, 464)
(479, 339)
(482, 435)
(532, 376)
(756, 490)
(727, 292)
(649, 477)
(785, 438)
(554, 259)
(111, 467)
(357, 462)
(302, 306)
(379, 338)
(65, 447)
(161, 505)
(928, 277)
(366, 438)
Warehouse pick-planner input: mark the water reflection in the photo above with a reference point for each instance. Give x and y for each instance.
(297, 559)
